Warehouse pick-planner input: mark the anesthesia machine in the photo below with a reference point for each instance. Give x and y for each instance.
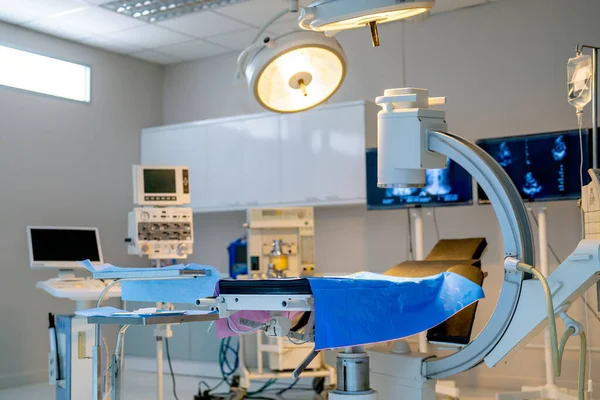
(280, 242)
(160, 229)
(280, 245)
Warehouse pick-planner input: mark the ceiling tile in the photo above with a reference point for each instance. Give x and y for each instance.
(235, 40)
(20, 11)
(86, 22)
(193, 50)
(282, 27)
(156, 57)
(56, 30)
(202, 24)
(255, 12)
(111, 45)
(97, 2)
(149, 36)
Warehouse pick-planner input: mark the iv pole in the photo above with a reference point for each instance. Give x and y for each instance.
(550, 390)
(595, 52)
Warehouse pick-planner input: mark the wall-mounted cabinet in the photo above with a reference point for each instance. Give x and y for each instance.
(311, 158)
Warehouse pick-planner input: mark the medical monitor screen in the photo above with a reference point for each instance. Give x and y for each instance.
(543, 167)
(444, 187)
(63, 244)
(159, 181)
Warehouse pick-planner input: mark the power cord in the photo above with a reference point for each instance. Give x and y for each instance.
(583, 298)
(558, 350)
(171, 369)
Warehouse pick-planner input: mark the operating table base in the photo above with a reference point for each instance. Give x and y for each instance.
(400, 375)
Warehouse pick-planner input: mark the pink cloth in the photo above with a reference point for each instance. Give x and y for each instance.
(223, 330)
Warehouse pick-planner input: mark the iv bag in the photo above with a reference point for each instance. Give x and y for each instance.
(579, 74)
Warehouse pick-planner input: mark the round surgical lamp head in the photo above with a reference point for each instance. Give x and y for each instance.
(336, 15)
(296, 71)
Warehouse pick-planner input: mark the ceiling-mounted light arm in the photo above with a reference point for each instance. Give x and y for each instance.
(255, 45)
(293, 9)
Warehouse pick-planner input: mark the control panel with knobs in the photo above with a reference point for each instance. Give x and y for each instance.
(160, 233)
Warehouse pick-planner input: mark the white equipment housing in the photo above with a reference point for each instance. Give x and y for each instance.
(293, 226)
(78, 289)
(403, 124)
(75, 339)
(61, 249)
(161, 233)
(161, 185)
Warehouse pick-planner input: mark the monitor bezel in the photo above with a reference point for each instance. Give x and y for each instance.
(587, 137)
(414, 205)
(61, 265)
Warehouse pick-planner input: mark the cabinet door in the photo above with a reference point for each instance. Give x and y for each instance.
(262, 160)
(301, 147)
(185, 145)
(323, 156)
(225, 163)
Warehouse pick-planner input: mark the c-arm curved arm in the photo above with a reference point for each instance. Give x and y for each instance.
(518, 243)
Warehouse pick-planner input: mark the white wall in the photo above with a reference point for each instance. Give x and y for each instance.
(64, 163)
(502, 67)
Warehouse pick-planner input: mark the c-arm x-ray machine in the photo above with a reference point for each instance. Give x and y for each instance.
(411, 138)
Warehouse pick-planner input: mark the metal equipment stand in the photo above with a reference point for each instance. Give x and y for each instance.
(417, 214)
(160, 332)
(549, 390)
(97, 372)
(126, 322)
(445, 387)
(247, 375)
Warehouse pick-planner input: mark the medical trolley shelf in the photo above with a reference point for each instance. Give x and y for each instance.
(153, 320)
(128, 275)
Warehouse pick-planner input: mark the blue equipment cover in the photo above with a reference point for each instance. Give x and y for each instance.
(369, 308)
(160, 289)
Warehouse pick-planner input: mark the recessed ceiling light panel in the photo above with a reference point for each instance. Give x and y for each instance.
(160, 10)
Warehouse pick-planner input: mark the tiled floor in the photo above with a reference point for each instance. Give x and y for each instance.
(136, 386)
(141, 386)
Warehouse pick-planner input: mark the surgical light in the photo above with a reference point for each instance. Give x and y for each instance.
(294, 72)
(336, 15)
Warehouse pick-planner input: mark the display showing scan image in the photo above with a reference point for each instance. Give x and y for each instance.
(503, 155)
(540, 164)
(559, 151)
(446, 186)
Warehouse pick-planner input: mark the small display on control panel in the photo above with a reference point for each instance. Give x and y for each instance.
(159, 185)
